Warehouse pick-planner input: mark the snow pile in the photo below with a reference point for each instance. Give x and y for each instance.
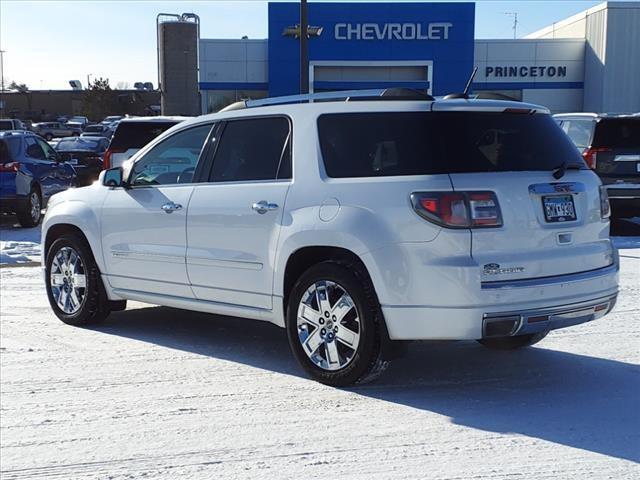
(12, 253)
(19, 245)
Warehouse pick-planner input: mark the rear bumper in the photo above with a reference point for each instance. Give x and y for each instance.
(543, 320)
(624, 198)
(524, 306)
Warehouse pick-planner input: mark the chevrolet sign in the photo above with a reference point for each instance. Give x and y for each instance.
(392, 31)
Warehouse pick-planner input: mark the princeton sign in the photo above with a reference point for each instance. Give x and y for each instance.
(549, 71)
(392, 31)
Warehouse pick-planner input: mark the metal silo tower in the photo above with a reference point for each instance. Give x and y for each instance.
(178, 42)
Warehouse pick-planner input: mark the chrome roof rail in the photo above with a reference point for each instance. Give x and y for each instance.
(310, 97)
(344, 95)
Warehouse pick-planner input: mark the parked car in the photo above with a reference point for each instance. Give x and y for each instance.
(111, 119)
(132, 134)
(30, 173)
(85, 154)
(97, 130)
(80, 120)
(49, 130)
(11, 124)
(355, 225)
(610, 144)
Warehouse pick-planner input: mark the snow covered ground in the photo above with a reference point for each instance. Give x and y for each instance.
(162, 393)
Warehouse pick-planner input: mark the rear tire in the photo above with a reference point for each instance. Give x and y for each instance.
(320, 334)
(31, 213)
(74, 286)
(513, 343)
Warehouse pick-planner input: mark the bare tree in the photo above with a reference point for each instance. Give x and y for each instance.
(19, 87)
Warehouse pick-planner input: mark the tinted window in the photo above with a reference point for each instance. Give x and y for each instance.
(6, 125)
(618, 133)
(252, 149)
(419, 143)
(137, 134)
(9, 149)
(171, 161)
(34, 150)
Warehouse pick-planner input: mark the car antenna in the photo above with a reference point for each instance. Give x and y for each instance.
(465, 93)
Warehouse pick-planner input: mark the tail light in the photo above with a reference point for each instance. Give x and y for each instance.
(590, 155)
(458, 209)
(605, 207)
(10, 167)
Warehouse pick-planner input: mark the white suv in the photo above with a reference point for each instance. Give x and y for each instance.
(355, 225)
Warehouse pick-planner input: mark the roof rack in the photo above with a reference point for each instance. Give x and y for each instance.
(344, 95)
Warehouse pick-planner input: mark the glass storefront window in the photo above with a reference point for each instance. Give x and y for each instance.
(218, 99)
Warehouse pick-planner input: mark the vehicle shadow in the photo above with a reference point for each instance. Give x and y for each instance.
(575, 400)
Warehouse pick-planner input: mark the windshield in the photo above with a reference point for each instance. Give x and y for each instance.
(618, 133)
(421, 143)
(78, 144)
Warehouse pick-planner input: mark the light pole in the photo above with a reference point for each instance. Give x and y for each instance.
(89, 81)
(515, 22)
(2, 80)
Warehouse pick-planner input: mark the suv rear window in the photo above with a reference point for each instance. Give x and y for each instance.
(137, 134)
(9, 149)
(618, 133)
(421, 143)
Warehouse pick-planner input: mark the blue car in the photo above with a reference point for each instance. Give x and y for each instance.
(30, 172)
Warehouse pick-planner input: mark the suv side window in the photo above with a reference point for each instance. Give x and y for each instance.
(49, 152)
(253, 149)
(33, 149)
(173, 160)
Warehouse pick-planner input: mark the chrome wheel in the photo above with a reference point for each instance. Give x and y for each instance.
(36, 208)
(68, 280)
(328, 325)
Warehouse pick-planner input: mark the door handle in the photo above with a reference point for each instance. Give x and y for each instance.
(171, 207)
(263, 206)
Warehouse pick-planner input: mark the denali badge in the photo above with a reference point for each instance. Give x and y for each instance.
(494, 269)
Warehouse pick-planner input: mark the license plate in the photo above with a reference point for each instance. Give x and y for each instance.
(558, 208)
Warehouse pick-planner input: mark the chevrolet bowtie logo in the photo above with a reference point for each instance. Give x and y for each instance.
(294, 31)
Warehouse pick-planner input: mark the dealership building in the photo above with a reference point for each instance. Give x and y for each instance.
(588, 62)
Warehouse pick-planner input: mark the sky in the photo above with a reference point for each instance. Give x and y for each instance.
(49, 42)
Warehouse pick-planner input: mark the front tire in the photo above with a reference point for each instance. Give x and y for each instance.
(334, 325)
(31, 213)
(73, 282)
(513, 343)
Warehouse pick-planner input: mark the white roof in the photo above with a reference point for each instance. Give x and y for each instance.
(159, 119)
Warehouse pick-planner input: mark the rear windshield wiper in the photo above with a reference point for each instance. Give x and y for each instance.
(560, 170)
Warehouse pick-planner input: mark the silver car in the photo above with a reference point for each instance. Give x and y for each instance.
(49, 130)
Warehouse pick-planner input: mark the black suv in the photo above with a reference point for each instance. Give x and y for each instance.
(610, 145)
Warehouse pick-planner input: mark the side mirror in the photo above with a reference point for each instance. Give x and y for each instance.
(113, 177)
